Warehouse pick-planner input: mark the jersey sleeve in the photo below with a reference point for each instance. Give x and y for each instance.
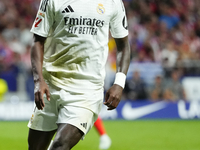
(44, 18)
(118, 23)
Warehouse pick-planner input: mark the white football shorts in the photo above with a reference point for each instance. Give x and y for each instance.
(78, 109)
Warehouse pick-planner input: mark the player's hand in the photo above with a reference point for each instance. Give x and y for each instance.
(40, 89)
(113, 96)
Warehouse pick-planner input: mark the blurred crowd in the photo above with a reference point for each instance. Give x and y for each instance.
(16, 18)
(163, 32)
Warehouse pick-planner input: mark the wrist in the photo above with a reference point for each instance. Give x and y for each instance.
(36, 79)
(120, 79)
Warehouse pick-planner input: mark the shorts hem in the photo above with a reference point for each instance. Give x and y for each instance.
(75, 125)
(40, 129)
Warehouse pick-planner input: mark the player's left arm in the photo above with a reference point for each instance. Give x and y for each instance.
(114, 94)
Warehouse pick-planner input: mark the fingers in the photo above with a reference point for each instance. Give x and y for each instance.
(40, 89)
(107, 99)
(39, 101)
(47, 94)
(111, 102)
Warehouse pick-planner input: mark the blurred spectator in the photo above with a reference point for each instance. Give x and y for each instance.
(169, 57)
(156, 92)
(168, 15)
(135, 88)
(174, 90)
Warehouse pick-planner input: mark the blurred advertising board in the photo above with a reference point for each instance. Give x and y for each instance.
(126, 110)
(132, 110)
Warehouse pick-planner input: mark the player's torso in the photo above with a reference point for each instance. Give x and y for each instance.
(80, 34)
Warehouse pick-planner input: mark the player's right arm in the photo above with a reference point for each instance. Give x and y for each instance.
(40, 87)
(41, 27)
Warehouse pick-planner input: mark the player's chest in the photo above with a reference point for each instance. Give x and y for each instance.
(85, 12)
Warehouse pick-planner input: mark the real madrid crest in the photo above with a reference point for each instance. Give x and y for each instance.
(100, 9)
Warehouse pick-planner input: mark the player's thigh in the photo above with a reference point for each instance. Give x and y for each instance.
(39, 140)
(67, 137)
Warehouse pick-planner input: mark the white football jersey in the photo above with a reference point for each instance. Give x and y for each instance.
(76, 48)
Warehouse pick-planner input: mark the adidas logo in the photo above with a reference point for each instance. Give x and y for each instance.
(84, 125)
(68, 9)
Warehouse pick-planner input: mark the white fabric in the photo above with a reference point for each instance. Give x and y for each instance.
(76, 49)
(120, 79)
(64, 107)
